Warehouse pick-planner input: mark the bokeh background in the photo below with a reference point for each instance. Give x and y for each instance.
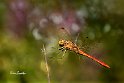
(28, 25)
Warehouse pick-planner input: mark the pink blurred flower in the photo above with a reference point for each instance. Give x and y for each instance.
(17, 16)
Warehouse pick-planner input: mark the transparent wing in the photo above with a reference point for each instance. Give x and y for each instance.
(63, 33)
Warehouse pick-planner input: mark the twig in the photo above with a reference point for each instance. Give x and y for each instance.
(47, 68)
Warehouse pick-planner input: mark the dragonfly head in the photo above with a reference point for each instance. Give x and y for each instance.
(61, 42)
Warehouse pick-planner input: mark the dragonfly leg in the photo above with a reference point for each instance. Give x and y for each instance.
(62, 48)
(63, 53)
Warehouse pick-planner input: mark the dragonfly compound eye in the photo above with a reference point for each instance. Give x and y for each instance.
(61, 43)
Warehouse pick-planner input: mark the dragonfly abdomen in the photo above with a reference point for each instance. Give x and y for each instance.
(93, 58)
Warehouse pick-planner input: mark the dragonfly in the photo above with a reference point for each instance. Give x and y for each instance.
(69, 45)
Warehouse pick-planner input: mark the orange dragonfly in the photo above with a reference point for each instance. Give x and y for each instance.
(68, 45)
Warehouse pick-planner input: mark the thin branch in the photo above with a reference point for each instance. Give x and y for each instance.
(47, 68)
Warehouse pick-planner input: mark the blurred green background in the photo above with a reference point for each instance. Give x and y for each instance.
(27, 25)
